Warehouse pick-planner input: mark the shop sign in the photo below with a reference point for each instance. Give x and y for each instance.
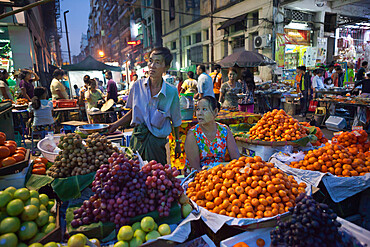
(297, 37)
(322, 44)
(280, 48)
(311, 56)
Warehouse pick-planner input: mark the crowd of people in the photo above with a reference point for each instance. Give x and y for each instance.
(309, 83)
(154, 108)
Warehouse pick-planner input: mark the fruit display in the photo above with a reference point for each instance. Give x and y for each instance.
(312, 224)
(140, 232)
(25, 216)
(321, 139)
(123, 191)
(356, 140)
(75, 158)
(335, 159)
(10, 154)
(245, 188)
(277, 126)
(40, 166)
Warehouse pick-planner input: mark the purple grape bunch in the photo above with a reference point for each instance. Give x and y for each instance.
(162, 186)
(122, 191)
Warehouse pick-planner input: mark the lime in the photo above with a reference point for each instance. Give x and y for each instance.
(11, 190)
(44, 199)
(125, 233)
(5, 197)
(8, 240)
(27, 231)
(10, 224)
(121, 244)
(51, 244)
(29, 213)
(147, 224)
(152, 235)
(15, 207)
(48, 228)
(50, 204)
(33, 201)
(34, 194)
(76, 240)
(36, 245)
(22, 194)
(164, 229)
(51, 219)
(136, 226)
(135, 242)
(37, 237)
(43, 208)
(42, 218)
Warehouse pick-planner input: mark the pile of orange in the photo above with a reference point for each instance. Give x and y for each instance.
(277, 126)
(335, 159)
(245, 188)
(321, 139)
(356, 139)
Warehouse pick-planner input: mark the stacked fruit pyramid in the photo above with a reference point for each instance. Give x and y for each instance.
(25, 217)
(277, 126)
(245, 188)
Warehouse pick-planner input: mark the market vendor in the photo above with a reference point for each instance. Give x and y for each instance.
(365, 83)
(230, 90)
(26, 85)
(58, 90)
(304, 88)
(155, 109)
(4, 85)
(317, 81)
(208, 141)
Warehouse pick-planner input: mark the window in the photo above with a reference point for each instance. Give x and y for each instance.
(226, 48)
(173, 45)
(255, 19)
(198, 38)
(172, 10)
(206, 34)
(196, 54)
(238, 43)
(187, 40)
(196, 9)
(174, 60)
(240, 26)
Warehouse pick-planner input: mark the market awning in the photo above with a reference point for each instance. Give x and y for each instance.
(233, 21)
(90, 63)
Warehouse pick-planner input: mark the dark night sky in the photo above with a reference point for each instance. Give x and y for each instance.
(77, 20)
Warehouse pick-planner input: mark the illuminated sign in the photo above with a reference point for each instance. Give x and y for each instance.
(134, 42)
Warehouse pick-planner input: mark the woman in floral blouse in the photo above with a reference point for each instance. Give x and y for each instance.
(208, 141)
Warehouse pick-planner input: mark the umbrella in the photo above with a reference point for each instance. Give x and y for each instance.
(246, 59)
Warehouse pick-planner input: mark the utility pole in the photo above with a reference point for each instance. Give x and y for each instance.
(65, 23)
(211, 34)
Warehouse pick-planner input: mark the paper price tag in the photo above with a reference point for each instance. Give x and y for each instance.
(337, 133)
(357, 128)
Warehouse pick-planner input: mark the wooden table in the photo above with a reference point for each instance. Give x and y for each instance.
(67, 109)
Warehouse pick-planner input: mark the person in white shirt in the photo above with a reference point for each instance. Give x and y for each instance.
(169, 78)
(205, 83)
(318, 81)
(4, 86)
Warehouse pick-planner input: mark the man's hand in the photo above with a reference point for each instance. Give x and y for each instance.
(177, 150)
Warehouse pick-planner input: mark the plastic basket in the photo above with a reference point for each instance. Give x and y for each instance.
(65, 103)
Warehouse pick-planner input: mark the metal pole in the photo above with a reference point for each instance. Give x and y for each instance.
(65, 23)
(211, 36)
(27, 7)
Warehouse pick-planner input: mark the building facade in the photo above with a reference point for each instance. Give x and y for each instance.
(30, 39)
